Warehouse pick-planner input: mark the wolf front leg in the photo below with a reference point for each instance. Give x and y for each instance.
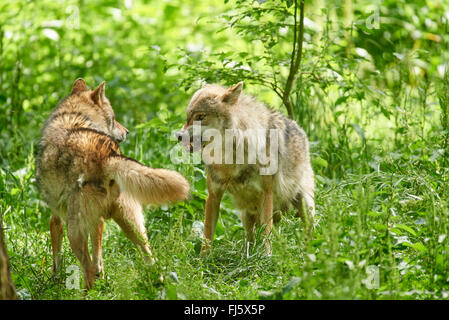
(212, 212)
(248, 221)
(78, 239)
(267, 210)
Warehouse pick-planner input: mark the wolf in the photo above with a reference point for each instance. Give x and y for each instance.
(85, 179)
(256, 193)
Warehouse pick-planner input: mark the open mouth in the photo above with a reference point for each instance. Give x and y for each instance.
(191, 147)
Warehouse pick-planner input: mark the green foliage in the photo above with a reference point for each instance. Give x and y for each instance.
(371, 93)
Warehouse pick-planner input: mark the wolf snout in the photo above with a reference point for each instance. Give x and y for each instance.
(119, 132)
(125, 132)
(122, 137)
(184, 137)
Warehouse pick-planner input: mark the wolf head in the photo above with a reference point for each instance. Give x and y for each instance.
(100, 109)
(211, 107)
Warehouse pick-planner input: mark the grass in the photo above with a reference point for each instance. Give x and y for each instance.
(393, 218)
(378, 126)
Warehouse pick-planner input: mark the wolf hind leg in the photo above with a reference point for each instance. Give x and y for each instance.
(127, 213)
(305, 209)
(57, 234)
(78, 238)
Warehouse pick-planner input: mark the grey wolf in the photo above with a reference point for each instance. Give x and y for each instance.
(83, 177)
(256, 194)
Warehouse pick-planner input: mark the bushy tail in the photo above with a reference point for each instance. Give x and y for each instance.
(147, 185)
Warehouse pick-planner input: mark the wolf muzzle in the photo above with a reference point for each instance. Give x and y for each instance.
(186, 139)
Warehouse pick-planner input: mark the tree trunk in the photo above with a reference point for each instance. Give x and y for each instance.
(7, 288)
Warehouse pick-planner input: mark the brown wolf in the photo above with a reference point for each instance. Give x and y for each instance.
(84, 179)
(255, 194)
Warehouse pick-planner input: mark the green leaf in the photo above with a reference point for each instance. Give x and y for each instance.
(406, 228)
(359, 130)
(15, 191)
(341, 100)
(318, 161)
(317, 242)
(418, 246)
(380, 227)
(171, 293)
(153, 123)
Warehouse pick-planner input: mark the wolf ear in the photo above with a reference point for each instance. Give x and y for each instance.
(232, 94)
(98, 94)
(79, 86)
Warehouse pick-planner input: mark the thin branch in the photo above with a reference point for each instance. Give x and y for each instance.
(293, 55)
(296, 57)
